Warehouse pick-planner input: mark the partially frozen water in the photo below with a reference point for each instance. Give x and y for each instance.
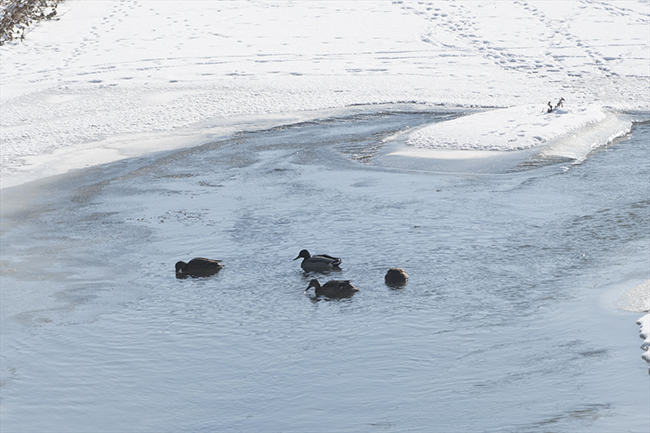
(508, 322)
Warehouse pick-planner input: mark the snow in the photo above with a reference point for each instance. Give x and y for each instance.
(644, 332)
(115, 79)
(515, 128)
(638, 300)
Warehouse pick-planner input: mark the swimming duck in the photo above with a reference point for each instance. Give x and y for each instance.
(317, 263)
(333, 288)
(396, 277)
(198, 267)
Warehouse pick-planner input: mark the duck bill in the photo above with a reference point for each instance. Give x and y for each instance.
(297, 258)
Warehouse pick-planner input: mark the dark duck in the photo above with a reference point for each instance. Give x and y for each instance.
(318, 263)
(198, 267)
(333, 288)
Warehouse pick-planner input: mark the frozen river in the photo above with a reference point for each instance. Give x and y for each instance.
(509, 321)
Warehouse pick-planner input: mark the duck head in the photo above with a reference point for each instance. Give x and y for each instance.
(180, 266)
(313, 283)
(304, 254)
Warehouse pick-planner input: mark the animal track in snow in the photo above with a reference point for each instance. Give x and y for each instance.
(546, 45)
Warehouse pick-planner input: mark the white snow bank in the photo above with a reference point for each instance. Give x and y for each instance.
(644, 332)
(111, 69)
(638, 299)
(508, 129)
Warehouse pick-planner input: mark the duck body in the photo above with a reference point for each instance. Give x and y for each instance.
(333, 288)
(396, 277)
(198, 267)
(318, 263)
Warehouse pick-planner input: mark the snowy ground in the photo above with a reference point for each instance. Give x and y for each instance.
(115, 79)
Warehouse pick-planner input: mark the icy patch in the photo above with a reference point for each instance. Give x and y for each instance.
(508, 129)
(636, 299)
(578, 144)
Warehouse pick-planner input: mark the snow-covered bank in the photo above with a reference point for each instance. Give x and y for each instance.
(134, 67)
(644, 332)
(638, 300)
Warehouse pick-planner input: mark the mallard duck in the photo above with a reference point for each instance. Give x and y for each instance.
(318, 263)
(396, 277)
(198, 267)
(333, 288)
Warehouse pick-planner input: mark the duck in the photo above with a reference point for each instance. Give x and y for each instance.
(318, 263)
(396, 277)
(198, 267)
(333, 288)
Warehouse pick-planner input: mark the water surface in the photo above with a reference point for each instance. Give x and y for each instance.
(508, 322)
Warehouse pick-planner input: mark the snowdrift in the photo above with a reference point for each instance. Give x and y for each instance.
(500, 139)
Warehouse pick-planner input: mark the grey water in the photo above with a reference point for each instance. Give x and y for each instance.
(508, 322)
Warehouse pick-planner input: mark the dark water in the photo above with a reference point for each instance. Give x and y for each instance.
(508, 322)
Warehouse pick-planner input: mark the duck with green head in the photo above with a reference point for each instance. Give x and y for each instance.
(318, 263)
